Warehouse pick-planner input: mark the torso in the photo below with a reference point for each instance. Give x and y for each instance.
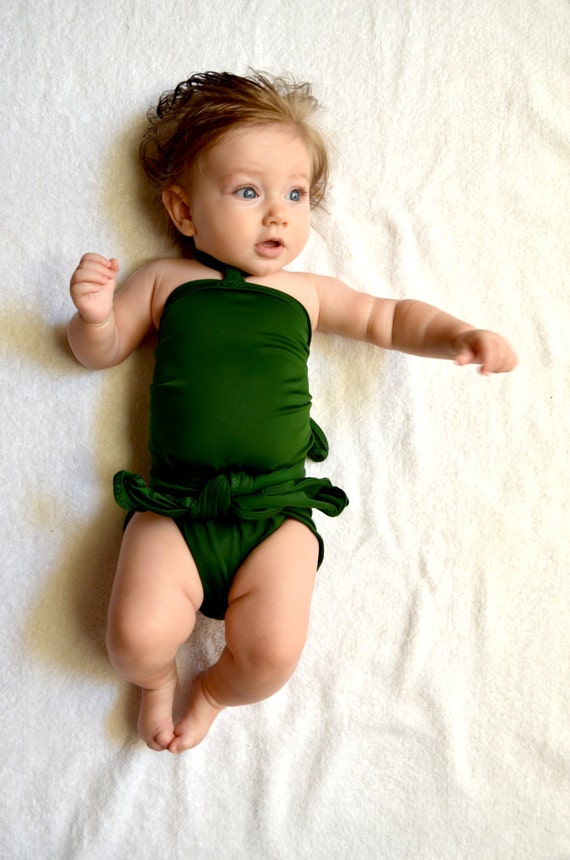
(230, 388)
(170, 273)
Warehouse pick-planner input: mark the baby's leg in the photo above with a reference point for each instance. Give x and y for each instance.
(156, 594)
(266, 629)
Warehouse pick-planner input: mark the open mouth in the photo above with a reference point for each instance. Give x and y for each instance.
(270, 248)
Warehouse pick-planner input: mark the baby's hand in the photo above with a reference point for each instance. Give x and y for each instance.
(490, 350)
(93, 287)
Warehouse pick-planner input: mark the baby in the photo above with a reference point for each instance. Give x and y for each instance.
(224, 524)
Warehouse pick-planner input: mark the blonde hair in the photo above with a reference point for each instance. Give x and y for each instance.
(200, 111)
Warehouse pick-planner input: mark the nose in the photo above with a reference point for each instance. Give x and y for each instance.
(275, 214)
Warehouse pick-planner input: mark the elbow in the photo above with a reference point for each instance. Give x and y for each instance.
(380, 324)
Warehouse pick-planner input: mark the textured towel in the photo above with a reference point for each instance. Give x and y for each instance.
(428, 718)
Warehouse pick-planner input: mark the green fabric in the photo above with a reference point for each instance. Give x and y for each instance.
(236, 495)
(230, 390)
(230, 424)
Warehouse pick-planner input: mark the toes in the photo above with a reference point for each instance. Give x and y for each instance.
(156, 745)
(156, 737)
(155, 724)
(186, 735)
(156, 729)
(162, 740)
(179, 745)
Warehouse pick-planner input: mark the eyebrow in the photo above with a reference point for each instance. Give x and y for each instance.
(245, 172)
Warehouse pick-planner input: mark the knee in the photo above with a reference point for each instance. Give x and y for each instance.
(123, 645)
(130, 644)
(272, 659)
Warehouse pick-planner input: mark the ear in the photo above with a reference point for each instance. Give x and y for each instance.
(177, 203)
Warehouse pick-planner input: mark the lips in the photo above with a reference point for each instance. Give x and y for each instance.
(269, 248)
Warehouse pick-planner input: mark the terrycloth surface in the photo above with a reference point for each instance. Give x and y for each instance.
(429, 715)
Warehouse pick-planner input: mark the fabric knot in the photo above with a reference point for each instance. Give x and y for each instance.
(214, 501)
(235, 495)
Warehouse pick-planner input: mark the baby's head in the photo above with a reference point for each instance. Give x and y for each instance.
(192, 118)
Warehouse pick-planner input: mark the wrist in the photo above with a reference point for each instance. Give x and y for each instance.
(457, 342)
(92, 324)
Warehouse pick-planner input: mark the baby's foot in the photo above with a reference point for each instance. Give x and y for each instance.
(196, 722)
(155, 724)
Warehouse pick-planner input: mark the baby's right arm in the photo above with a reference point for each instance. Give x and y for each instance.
(106, 329)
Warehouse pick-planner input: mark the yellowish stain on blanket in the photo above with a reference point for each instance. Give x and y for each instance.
(66, 623)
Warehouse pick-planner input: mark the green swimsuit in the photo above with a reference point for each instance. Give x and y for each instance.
(229, 425)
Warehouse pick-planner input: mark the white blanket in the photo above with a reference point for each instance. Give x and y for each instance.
(429, 715)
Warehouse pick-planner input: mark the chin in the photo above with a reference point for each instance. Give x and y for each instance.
(262, 270)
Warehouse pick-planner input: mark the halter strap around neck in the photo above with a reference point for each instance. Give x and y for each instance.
(213, 263)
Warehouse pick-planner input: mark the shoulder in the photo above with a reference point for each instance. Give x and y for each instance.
(154, 281)
(169, 272)
(340, 306)
(331, 304)
(151, 275)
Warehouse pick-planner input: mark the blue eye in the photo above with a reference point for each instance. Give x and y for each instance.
(296, 195)
(248, 193)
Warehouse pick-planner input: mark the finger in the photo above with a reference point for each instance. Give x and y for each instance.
(89, 258)
(496, 360)
(488, 366)
(93, 278)
(464, 357)
(94, 271)
(96, 262)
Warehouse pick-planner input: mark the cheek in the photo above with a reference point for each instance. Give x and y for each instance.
(305, 222)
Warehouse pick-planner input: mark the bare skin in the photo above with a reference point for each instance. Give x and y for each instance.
(156, 595)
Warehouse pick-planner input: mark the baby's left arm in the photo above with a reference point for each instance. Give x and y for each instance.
(410, 326)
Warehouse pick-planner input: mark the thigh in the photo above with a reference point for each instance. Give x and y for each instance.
(157, 587)
(271, 594)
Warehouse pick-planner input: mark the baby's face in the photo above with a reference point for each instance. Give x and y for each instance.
(249, 202)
